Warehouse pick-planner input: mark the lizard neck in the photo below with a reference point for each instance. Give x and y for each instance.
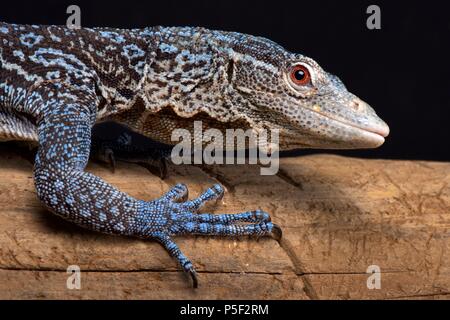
(187, 73)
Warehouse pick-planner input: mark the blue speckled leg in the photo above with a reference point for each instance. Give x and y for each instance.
(62, 185)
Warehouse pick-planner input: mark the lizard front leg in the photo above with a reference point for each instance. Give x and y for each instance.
(64, 131)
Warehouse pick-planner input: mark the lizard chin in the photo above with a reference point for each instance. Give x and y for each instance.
(367, 140)
(345, 135)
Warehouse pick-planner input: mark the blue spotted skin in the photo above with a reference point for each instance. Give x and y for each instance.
(55, 84)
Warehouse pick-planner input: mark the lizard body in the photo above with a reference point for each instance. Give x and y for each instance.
(56, 83)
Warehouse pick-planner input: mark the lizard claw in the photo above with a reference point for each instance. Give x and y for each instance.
(277, 233)
(111, 159)
(163, 168)
(158, 166)
(104, 154)
(193, 274)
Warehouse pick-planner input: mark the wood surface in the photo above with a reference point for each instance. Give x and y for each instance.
(339, 216)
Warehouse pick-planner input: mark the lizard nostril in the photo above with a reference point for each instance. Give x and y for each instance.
(357, 105)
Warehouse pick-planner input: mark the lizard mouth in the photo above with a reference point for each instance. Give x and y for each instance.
(349, 135)
(377, 132)
(374, 134)
(382, 130)
(378, 127)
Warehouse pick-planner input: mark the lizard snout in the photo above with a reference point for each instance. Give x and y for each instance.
(376, 124)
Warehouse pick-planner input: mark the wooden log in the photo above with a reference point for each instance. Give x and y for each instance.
(339, 216)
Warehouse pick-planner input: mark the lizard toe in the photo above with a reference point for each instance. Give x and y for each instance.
(178, 193)
(216, 192)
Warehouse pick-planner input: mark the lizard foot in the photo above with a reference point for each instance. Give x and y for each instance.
(173, 215)
(153, 163)
(153, 157)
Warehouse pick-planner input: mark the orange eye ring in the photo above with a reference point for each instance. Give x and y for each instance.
(300, 75)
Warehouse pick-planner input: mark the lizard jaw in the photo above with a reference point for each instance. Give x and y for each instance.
(362, 128)
(375, 133)
(377, 126)
(351, 135)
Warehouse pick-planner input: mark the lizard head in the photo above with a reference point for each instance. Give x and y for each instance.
(274, 88)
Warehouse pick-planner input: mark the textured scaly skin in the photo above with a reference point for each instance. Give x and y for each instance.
(56, 83)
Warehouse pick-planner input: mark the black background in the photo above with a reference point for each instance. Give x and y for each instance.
(402, 70)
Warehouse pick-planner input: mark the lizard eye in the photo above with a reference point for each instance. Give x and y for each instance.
(299, 75)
